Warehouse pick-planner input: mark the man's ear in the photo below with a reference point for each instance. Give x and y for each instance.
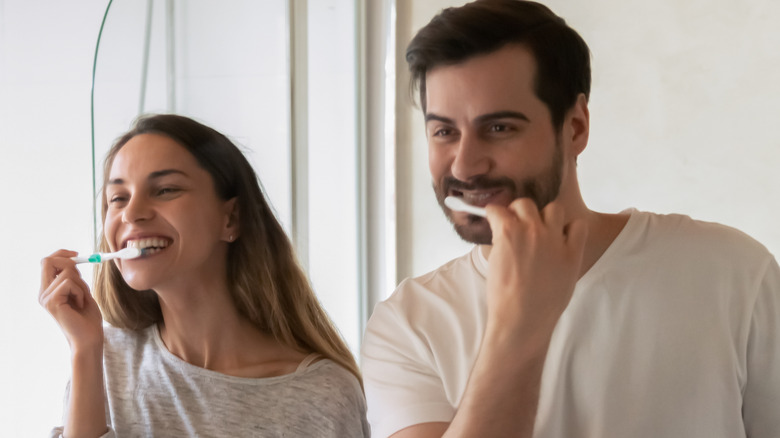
(578, 125)
(232, 229)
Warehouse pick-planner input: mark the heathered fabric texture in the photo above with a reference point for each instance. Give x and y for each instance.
(151, 392)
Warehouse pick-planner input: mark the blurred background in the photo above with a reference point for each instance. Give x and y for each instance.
(683, 107)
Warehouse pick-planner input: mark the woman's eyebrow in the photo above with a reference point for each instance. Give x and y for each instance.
(165, 172)
(152, 176)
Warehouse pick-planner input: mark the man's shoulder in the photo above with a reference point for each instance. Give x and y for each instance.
(678, 236)
(448, 280)
(454, 290)
(686, 230)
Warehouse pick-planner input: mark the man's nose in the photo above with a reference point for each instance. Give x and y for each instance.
(471, 159)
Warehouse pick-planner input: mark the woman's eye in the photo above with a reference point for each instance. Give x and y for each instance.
(166, 191)
(498, 128)
(116, 199)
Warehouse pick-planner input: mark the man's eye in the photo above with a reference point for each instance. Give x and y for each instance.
(498, 128)
(442, 132)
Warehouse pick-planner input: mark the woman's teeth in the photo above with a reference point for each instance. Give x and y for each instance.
(148, 245)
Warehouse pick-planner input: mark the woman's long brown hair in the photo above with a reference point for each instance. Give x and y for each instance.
(265, 279)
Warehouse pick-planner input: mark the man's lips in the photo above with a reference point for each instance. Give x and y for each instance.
(479, 198)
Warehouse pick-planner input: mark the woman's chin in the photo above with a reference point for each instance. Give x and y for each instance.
(137, 282)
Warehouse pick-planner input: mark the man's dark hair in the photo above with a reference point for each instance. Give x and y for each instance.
(484, 26)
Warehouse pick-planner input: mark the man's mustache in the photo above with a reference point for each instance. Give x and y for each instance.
(476, 183)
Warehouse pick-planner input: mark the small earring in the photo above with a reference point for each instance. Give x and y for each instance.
(230, 238)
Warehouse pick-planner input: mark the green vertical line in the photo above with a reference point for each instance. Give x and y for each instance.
(92, 125)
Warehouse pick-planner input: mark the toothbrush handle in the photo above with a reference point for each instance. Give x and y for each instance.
(100, 257)
(93, 258)
(478, 211)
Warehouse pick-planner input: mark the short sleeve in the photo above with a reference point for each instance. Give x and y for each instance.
(57, 433)
(401, 383)
(761, 401)
(342, 406)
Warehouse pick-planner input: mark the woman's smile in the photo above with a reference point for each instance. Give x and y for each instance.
(161, 200)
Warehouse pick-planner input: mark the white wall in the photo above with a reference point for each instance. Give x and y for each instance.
(232, 74)
(45, 182)
(683, 108)
(332, 176)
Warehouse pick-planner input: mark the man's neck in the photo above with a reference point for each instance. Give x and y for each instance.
(603, 229)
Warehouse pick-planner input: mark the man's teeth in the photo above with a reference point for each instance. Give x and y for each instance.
(476, 199)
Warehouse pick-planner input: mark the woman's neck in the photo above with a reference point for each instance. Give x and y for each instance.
(204, 328)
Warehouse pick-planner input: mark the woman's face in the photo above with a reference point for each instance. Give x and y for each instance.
(159, 198)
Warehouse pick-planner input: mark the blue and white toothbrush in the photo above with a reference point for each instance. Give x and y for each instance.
(99, 257)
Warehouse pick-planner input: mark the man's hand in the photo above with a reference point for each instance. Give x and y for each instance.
(534, 265)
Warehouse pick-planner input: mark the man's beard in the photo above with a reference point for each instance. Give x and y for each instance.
(541, 189)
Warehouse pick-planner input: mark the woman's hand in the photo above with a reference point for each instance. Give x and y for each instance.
(66, 296)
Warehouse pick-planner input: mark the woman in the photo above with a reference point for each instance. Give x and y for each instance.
(214, 330)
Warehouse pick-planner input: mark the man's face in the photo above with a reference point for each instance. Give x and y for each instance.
(490, 139)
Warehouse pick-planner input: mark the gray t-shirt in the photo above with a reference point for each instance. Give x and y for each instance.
(152, 393)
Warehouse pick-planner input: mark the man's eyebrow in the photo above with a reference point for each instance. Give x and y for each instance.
(481, 119)
(154, 175)
(431, 116)
(502, 115)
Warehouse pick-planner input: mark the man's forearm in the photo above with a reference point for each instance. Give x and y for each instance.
(502, 394)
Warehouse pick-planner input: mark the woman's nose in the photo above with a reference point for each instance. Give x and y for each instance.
(138, 208)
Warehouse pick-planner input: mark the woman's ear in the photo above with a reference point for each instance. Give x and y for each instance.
(232, 229)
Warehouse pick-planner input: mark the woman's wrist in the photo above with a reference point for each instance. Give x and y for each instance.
(87, 351)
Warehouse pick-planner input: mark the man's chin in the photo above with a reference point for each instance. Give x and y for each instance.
(477, 233)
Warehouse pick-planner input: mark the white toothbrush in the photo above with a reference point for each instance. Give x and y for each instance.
(99, 257)
(458, 204)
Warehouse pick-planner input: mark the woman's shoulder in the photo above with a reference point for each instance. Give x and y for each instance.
(126, 342)
(123, 335)
(326, 380)
(336, 394)
(325, 372)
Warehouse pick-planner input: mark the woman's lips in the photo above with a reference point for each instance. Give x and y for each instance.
(149, 245)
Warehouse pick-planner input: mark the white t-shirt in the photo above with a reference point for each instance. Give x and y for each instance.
(674, 332)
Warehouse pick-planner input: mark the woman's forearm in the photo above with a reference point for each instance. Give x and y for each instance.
(86, 415)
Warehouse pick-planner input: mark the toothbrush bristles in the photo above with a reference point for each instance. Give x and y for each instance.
(131, 253)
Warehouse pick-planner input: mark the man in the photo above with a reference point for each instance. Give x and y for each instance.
(562, 322)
